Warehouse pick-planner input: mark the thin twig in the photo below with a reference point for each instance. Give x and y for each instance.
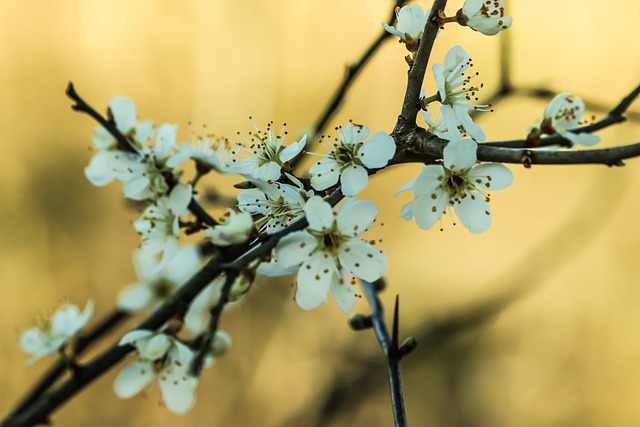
(411, 104)
(352, 71)
(351, 74)
(216, 313)
(391, 350)
(616, 115)
(39, 410)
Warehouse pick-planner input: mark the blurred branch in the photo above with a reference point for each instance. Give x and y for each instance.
(351, 73)
(216, 313)
(391, 351)
(60, 367)
(39, 410)
(435, 333)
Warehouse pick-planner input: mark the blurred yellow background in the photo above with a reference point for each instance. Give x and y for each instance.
(563, 249)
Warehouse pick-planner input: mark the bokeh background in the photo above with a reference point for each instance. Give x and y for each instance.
(534, 323)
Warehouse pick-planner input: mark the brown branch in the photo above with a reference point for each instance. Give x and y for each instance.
(391, 350)
(616, 115)
(411, 104)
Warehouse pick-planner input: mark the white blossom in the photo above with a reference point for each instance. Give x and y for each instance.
(165, 358)
(279, 204)
(155, 284)
(455, 93)
(50, 336)
(234, 228)
(143, 171)
(350, 159)
(159, 225)
(263, 155)
(206, 150)
(124, 114)
(439, 127)
(458, 183)
(485, 16)
(411, 21)
(562, 114)
(329, 254)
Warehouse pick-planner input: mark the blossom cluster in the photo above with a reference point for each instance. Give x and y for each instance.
(327, 253)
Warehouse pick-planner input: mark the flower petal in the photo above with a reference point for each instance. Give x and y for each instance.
(324, 173)
(294, 248)
(474, 213)
(343, 291)
(377, 151)
(270, 171)
(491, 176)
(293, 150)
(132, 379)
(177, 389)
(314, 278)
(124, 113)
(427, 210)
(319, 214)
(354, 216)
(362, 260)
(460, 155)
(353, 180)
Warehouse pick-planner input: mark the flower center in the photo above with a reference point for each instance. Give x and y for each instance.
(456, 185)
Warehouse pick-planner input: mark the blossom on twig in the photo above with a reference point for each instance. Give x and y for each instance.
(165, 358)
(329, 253)
(562, 115)
(455, 92)
(484, 16)
(234, 228)
(50, 337)
(263, 155)
(279, 204)
(350, 158)
(411, 21)
(459, 184)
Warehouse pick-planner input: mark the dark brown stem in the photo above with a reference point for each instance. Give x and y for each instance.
(411, 104)
(391, 350)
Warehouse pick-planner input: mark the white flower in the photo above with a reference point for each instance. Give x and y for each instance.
(350, 159)
(330, 254)
(264, 155)
(143, 173)
(155, 284)
(459, 184)
(411, 22)
(455, 93)
(235, 227)
(440, 127)
(196, 320)
(123, 112)
(485, 16)
(206, 150)
(279, 204)
(563, 114)
(159, 225)
(52, 335)
(159, 356)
